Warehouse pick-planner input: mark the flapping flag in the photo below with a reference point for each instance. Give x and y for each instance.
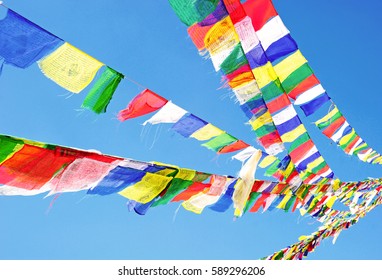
(22, 42)
(144, 103)
(103, 90)
(70, 67)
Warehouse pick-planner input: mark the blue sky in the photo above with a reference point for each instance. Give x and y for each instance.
(147, 42)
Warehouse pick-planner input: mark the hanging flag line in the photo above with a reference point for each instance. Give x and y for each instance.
(191, 126)
(29, 168)
(79, 74)
(76, 79)
(308, 244)
(99, 96)
(34, 166)
(53, 55)
(276, 80)
(300, 83)
(283, 114)
(235, 50)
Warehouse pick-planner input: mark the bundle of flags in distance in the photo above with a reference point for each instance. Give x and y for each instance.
(249, 44)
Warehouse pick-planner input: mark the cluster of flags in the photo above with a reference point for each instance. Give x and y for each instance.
(262, 64)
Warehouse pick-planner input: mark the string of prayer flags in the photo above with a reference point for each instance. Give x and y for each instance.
(103, 90)
(299, 81)
(191, 126)
(70, 67)
(144, 103)
(334, 126)
(22, 42)
(236, 50)
(30, 168)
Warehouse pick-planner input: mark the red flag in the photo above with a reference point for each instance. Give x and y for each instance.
(144, 103)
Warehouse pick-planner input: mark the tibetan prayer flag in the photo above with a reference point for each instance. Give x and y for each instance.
(282, 47)
(271, 32)
(22, 42)
(260, 11)
(147, 189)
(313, 105)
(81, 174)
(169, 113)
(102, 92)
(116, 180)
(192, 11)
(189, 124)
(245, 183)
(246, 34)
(70, 67)
(219, 142)
(221, 37)
(144, 103)
(218, 14)
(207, 132)
(31, 167)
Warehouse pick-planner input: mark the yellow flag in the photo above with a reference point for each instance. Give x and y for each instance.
(289, 65)
(268, 160)
(294, 134)
(327, 117)
(222, 36)
(258, 122)
(147, 189)
(207, 132)
(70, 67)
(244, 185)
(264, 74)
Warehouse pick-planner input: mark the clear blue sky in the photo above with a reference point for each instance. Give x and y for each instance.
(147, 42)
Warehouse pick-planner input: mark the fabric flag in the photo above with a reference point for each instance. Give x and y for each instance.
(116, 180)
(219, 142)
(144, 103)
(70, 67)
(192, 11)
(245, 183)
(81, 174)
(31, 167)
(103, 90)
(188, 124)
(207, 132)
(147, 189)
(22, 42)
(169, 113)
